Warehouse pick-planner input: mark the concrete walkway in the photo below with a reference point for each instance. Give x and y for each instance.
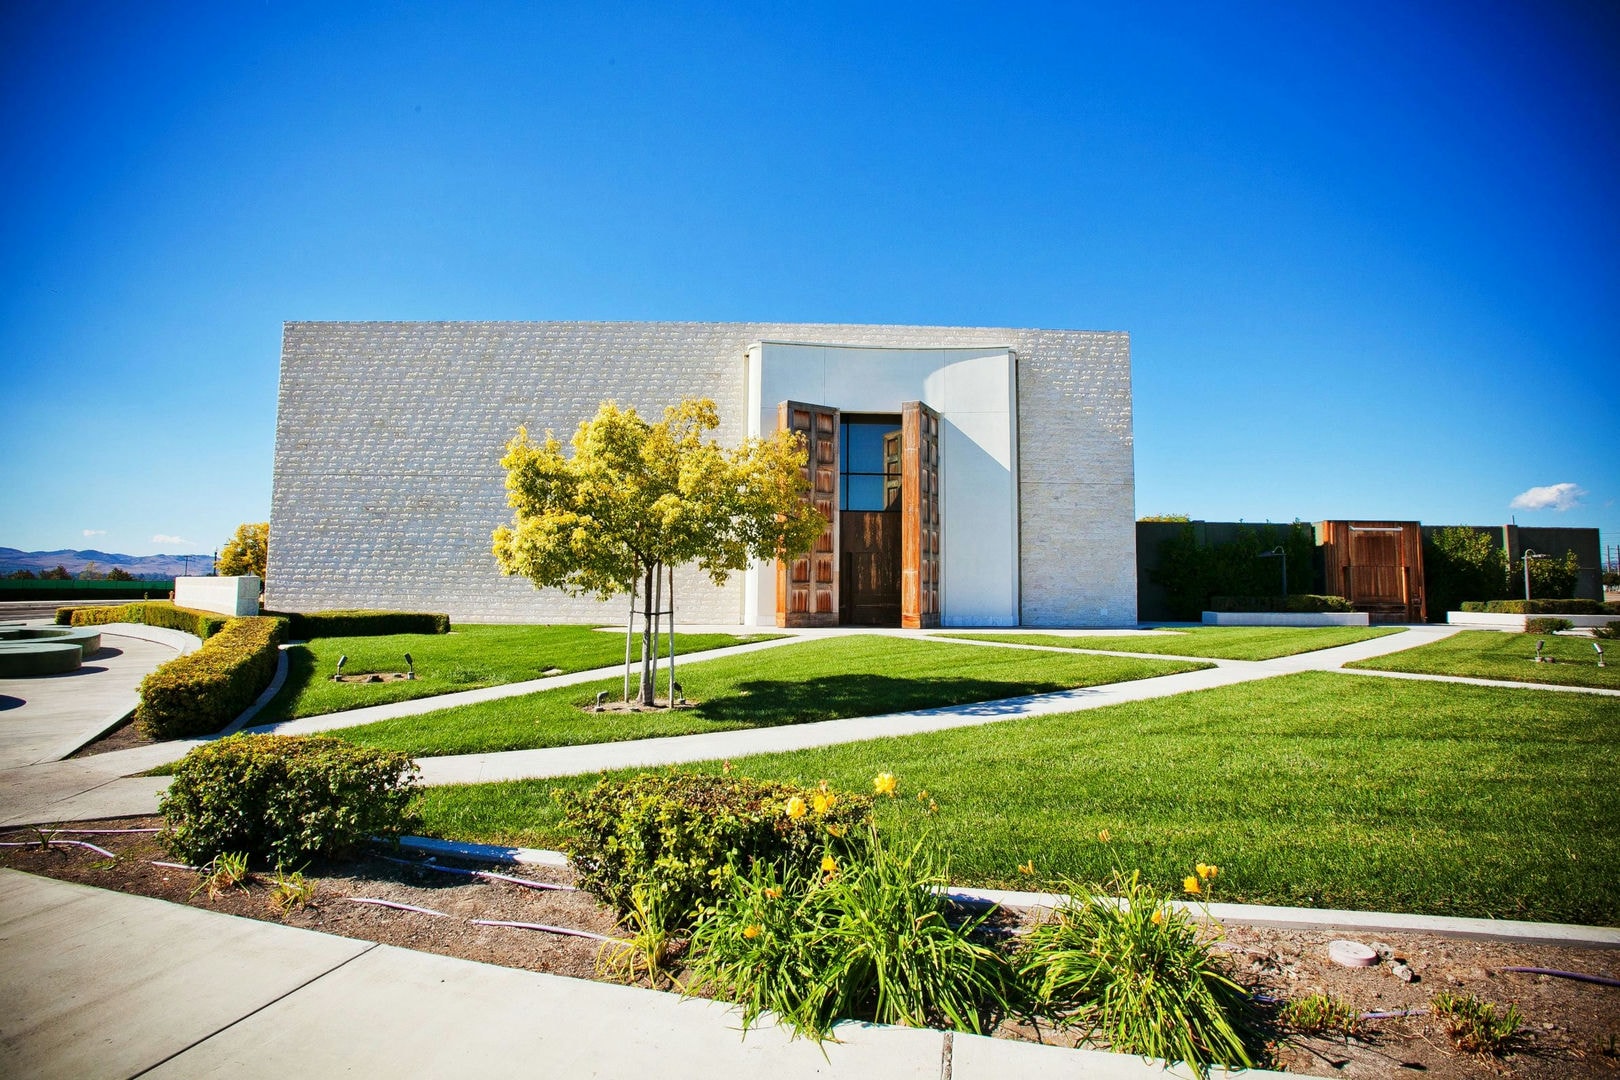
(106, 985)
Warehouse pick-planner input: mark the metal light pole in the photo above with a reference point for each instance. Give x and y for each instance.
(1528, 555)
(1278, 553)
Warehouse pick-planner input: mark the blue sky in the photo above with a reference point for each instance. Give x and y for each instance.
(1366, 251)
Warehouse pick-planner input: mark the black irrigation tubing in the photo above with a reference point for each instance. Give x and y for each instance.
(489, 874)
(1578, 976)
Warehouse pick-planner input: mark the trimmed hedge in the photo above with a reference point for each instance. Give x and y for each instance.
(670, 835)
(1543, 607)
(285, 799)
(201, 692)
(305, 626)
(202, 624)
(1547, 626)
(1294, 602)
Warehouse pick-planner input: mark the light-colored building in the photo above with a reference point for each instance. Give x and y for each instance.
(972, 476)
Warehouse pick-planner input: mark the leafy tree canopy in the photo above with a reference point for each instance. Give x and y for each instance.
(245, 552)
(635, 495)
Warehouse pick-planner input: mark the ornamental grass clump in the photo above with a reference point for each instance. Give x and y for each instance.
(862, 936)
(1136, 971)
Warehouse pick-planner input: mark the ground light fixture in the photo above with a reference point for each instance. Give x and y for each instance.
(1278, 553)
(339, 672)
(1539, 658)
(1599, 649)
(410, 667)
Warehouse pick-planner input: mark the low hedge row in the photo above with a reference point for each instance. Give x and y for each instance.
(305, 626)
(201, 692)
(1543, 607)
(664, 836)
(284, 798)
(1309, 603)
(202, 624)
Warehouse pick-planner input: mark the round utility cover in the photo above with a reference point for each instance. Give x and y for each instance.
(1351, 954)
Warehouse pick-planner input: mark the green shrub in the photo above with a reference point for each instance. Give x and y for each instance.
(1137, 971)
(1294, 602)
(1547, 626)
(671, 834)
(306, 626)
(1191, 572)
(201, 624)
(201, 692)
(284, 799)
(1461, 562)
(1544, 607)
(1608, 631)
(864, 937)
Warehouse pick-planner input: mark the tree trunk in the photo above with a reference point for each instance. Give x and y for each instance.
(647, 638)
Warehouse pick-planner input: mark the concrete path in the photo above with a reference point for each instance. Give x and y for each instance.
(47, 717)
(105, 985)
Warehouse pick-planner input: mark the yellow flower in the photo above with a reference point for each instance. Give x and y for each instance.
(822, 801)
(795, 808)
(725, 767)
(1104, 836)
(1206, 871)
(1158, 918)
(837, 830)
(922, 796)
(885, 784)
(829, 865)
(750, 931)
(1027, 868)
(1191, 885)
(773, 893)
(933, 807)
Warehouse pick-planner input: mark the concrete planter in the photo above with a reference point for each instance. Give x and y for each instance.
(1285, 618)
(224, 595)
(1485, 620)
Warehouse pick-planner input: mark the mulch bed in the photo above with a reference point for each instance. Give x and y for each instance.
(1571, 1029)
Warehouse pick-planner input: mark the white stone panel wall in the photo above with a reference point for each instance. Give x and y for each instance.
(223, 595)
(388, 485)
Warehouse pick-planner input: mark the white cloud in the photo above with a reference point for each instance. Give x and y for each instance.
(95, 532)
(1551, 497)
(162, 539)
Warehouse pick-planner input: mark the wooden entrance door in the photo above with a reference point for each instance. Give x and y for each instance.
(919, 516)
(807, 587)
(869, 585)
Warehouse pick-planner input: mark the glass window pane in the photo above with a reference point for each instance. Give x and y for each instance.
(864, 493)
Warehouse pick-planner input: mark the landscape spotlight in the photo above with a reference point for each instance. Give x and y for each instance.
(1539, 658)
(600, 694)
(412, 673)
(1599, 649)
(341, 661)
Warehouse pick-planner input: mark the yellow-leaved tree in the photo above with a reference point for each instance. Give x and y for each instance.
(635, 498)
(245, 552)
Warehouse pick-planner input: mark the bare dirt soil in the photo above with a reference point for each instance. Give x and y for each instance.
(1571, 1029)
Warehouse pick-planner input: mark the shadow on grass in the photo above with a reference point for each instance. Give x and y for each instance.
(771, 702)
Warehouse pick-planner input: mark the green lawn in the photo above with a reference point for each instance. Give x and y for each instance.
(792, 684)
(468, 657)
(1316, 789)
(1214, 642)
(1491, 654)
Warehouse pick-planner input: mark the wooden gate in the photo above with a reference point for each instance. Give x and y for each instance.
(1377, 566)
(807, 587)
(919, 516)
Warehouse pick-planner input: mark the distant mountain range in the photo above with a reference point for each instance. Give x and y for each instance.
(145, 567)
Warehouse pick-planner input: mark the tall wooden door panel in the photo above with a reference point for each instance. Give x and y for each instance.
(807, 587)
(919, 516)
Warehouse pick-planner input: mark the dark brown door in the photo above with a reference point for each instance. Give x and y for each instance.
(807, 587)
(870, 583)
(919, 516)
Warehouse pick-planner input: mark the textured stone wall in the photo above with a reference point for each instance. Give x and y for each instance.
(389, 435)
